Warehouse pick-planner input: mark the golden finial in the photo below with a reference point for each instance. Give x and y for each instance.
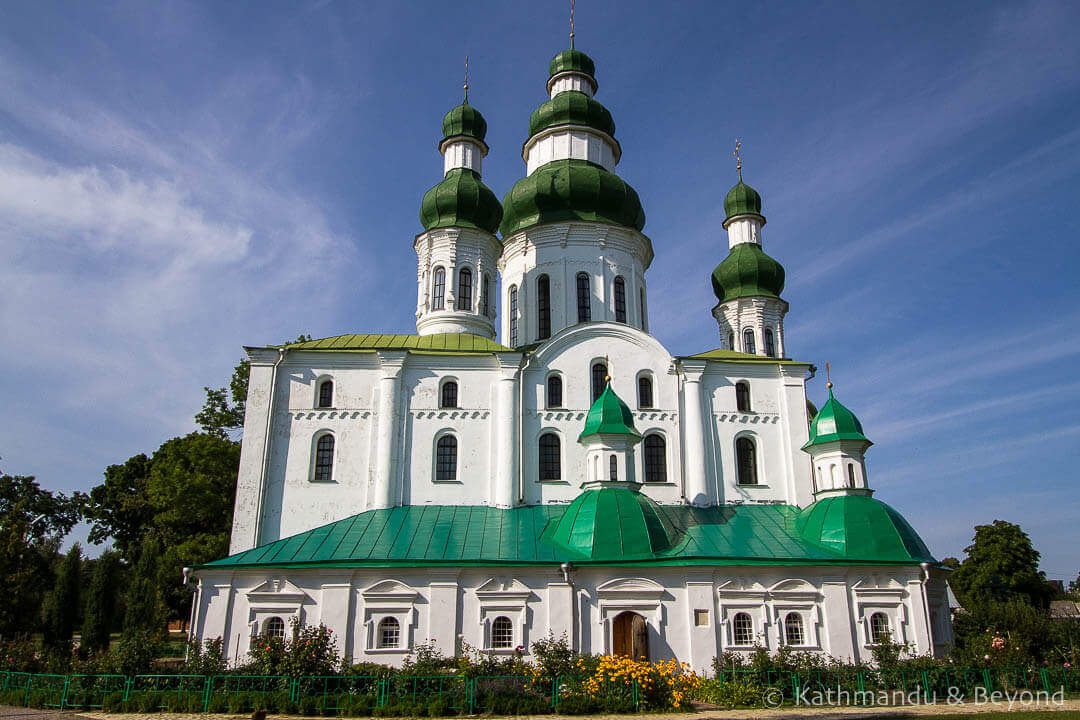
(466, 78)
(828, 377)
(571, 24)
(738, 158)
(607, 365)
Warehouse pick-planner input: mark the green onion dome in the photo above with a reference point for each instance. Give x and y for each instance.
(461, 200)
(571, 108)
(613, 523)
(742, 200)
(858, 527)
(572, 61)
(835, 422)
(609, 415)
(571, 190)
(464, 120)
(747, 272)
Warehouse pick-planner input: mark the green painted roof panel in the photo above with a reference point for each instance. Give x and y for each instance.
(450, 343)
(835, 422)
(609, 415)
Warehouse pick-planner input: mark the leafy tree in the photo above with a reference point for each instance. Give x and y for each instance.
(951, 563)
(1074, 587)
(144, 613)
(101, 602)
(32, 524)
(61, 609)
(120, 508)
(1001, 566)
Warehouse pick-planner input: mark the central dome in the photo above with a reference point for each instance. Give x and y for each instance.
(613, 523)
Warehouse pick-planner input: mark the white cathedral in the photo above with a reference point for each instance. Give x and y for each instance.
(574, 479)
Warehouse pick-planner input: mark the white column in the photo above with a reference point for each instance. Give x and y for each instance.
(251, 478)
(839, 640)
(506, 421)
(560, 608)
(442, 618)
(704, 639)
(334, 609)
(383, 495)
(696, 483)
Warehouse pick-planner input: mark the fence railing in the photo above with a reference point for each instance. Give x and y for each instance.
(360, 695)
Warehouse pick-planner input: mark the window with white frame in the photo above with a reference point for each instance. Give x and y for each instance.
(550, 463)
(446, 450)
(655, 458)
(326, 394)
(464, 293)
(502, 633)
(746, 461)
(388, 634)
(879, 628)
(742, 629)
(770, 343)
(274, 628)
(794, 633)
(324, 459)
(554, 391)
(748, 342)
(448, 397)
(438, 289)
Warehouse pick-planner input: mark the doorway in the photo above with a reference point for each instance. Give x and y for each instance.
(630, 636)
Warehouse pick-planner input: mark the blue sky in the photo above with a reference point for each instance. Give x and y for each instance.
(180, 179)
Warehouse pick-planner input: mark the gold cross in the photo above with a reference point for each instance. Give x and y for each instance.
(828, 377)
(571, 24)
(466, 78)
(738, 159)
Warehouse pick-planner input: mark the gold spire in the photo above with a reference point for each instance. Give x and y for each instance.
(466, 78)
(607, 363)
(571, 24)
(828, 377)
(738, 158)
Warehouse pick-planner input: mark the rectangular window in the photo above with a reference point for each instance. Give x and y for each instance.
(512, 314)
(620, 300)
(584, 298)
(543, 308)
(701, 618)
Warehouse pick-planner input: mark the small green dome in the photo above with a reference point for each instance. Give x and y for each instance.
(571, 190)
(613, 523)
(461, 200)
(609, 415)
(742, 200)
(835, 422)
(574, 60)
(464, 120)
(571, 108)
(747, 272)
(861, 528)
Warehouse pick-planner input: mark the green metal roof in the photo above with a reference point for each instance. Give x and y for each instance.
(569, 60)
(747, 272)
(860, 526)
(742, 200)
(464, 120)
(439, 343)
(835, 422)
(606, 522)
(461, 200)
(725, 355)
(571, 107)
(570, 190)
(609, 415)
(430, 535)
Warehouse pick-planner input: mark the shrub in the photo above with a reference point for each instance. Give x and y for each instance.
(740, 692)
(310, 650)
(577, 705)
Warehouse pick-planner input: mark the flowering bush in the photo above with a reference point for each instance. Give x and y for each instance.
(663, 684)
(309, 651)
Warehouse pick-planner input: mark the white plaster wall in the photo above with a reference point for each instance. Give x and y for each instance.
(570, 142)
(454, 249)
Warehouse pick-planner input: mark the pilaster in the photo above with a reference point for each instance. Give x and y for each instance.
(383, 493)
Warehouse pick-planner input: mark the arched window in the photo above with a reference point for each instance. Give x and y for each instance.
(543, 307)
(879, 628)
(550, 462)
(512, 313)
(448, 396)
(438, 289)
(613, 468)
(324, 459)
(620, 300)
(485, 291)
(584, 298)
(599, 379)
(746, 461)
(326, 394)
(770, 344)
(502, 633)
(446, 458)
(644, 392)
(748, 342)
(274, 628)
(742, 629)
(464, 290)
(655, 459)
(554, 392)
(731, 340)
(388, 634)
(793, 630)
(742, 396)
(850, 475)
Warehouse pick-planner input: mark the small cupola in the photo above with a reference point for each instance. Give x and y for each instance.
(609, 438)
(837, 448)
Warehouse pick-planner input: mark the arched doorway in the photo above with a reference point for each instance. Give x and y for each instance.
(630, 636)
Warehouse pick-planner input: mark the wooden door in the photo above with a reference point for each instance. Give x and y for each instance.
(630, 636)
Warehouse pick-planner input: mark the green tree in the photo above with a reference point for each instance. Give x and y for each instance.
(120, 508)
(144, 610)
(1001, 566)
(101, 602)
(33, 522)
(61, 610)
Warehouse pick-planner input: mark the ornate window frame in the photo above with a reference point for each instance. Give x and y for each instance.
(389, 599)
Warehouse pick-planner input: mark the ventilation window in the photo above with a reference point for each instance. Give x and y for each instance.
(584, 298)
(742, 396)
(513, 314)
(620, 300)
(502, 633)
(599, 379)
(438, 289)
(326, 394)
(655, 459)
(550, 462)
(324, 459)
(746, 459)
(644, 392)
(464, 292)
(446, 458)
(389, 633)
(543, 307)
(743, 629)
(554, 392)
(448, 396)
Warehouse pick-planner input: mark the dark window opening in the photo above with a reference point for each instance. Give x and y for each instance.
(770, 343)
(644, 392)
(464, 298)
(448, 398)
(742, 397)
(613, 468)
(620, 300)
(584, 298)
(554, 392)
(512, 313)
(599, 379)
(748, 342)
(326, 394)
(655, 459)
(438, 289)
(543, 307)
(746, 460)
(446, 458)
(550, 461)
(324, 459)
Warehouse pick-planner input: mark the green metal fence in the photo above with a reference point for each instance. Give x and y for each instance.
(362, 695)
